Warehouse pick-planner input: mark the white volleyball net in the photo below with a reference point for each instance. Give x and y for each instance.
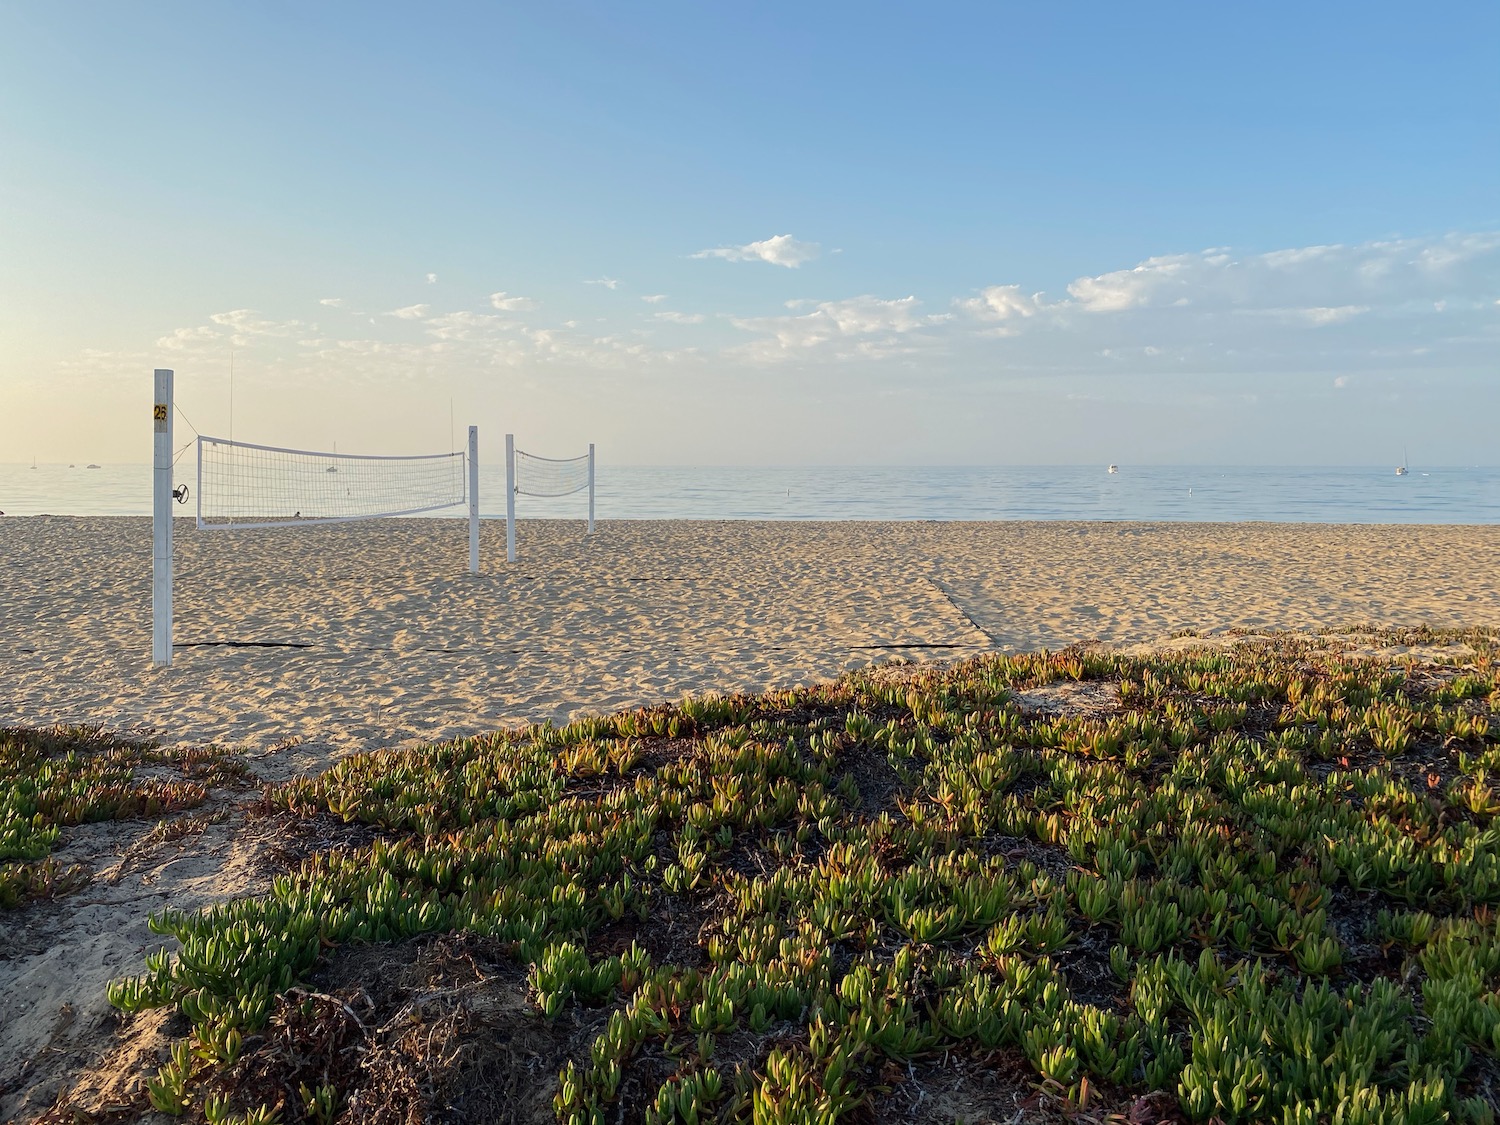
(550, 476)
(241, 485)
(526, 474)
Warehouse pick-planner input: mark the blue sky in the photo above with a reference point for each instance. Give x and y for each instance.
(773, 233)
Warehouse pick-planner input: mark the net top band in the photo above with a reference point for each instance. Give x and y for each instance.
(320, 453)
(552, 460)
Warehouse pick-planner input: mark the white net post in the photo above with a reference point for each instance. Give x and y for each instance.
(198, 489)
(591, 488)
(161, 522)
(473, 499)
(510, 497)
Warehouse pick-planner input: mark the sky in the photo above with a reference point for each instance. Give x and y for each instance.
(754, 234)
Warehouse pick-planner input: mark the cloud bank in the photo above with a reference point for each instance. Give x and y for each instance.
(1331, 313)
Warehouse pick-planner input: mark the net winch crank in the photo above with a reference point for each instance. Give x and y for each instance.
(180, 494)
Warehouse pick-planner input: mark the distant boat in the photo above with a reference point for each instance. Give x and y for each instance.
(1114, 468)
(33, 462)
(91, 466)
(1401, 468)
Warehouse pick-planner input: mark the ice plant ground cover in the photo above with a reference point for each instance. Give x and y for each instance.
(1259, 884)
(59, 778)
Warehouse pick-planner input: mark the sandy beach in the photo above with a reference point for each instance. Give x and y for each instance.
(394, 641)
(374, 635)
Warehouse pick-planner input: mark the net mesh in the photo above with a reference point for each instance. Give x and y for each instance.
(245, 485)
(544, 476)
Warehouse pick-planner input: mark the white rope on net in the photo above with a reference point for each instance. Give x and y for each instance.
(241, 485)
(547, 476)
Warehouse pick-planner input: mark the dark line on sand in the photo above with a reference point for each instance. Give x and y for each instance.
(962, 612)
(242, 644)
(915, 644)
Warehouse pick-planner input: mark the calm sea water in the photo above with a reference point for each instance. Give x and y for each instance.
(1334, 495)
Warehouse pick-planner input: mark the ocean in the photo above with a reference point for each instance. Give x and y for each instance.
(1044, 492)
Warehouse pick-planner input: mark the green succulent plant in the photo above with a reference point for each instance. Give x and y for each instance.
(1209, 834)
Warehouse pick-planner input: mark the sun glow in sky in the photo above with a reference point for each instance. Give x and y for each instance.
(769, 233)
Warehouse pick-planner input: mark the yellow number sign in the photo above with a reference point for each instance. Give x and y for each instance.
(160, 413)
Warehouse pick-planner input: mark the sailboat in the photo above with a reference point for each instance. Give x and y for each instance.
(1401, 468)
(333, 468)
(33, 462)
(1114, 469)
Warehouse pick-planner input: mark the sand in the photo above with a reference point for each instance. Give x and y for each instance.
(57, 958)
(397, 643)
(402, 644)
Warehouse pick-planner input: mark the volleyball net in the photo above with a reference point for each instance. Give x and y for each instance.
(242, 485)
(527, 474)
(551, 476)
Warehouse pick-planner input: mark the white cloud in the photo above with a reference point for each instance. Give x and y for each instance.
(332, 302)
(1299, 310)
(1337, 315)
(607, 282)
(432, 279)
(248, 322)
(1317, 316)
(184, 339)
(1331, 283)
(1296, 310)
(865, 326)
(243, 326)
(467, 325)
(1132, 288)
(779, 250)
(1000, 302)
(238, 328)
(1324, 313)
(506, 303)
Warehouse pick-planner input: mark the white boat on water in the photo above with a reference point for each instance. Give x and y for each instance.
(1114, 468)
(1401, 468)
